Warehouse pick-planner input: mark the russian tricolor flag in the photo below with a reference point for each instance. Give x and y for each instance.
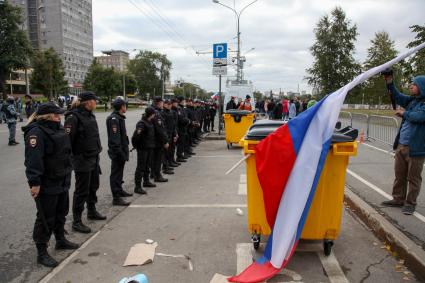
(289, 164)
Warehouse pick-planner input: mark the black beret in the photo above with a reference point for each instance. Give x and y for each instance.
(149, 111)
(87, 95)
(157, 99)
(49, 108)
(118, 102)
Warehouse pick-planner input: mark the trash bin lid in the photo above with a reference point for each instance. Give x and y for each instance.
(238, 112)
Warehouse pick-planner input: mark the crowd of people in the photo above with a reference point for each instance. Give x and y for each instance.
(164, 138)
(285, 109)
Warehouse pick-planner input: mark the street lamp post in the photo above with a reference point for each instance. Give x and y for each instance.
(238, 56)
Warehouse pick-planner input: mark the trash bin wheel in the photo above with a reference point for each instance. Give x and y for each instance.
(327, 247)
(256, 240)
(228, 146)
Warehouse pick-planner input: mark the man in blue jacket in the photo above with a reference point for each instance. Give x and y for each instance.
(409, 145)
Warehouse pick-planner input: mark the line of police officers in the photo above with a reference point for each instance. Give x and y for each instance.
(163, 138)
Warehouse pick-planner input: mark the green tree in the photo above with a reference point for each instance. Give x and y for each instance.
(15, 48)
(150, 69)
(382, 49)
(48, 73)
(258, 96)
(417, 62)
(130, 82)
(105, 82)
(334, 64)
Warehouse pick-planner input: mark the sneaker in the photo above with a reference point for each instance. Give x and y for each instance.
(408, 209)
(392, 203)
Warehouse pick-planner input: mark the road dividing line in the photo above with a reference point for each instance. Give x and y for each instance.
(379, 149)
(381, 192)
(243, 256)
(242, 189)
(187, 206)
(332, 268)
(64, 263)
(242, 179)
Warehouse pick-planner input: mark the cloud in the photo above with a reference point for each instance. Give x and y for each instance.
(280, 31)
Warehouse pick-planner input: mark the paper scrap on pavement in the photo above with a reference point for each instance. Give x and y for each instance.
(218, 278)
(140, 254)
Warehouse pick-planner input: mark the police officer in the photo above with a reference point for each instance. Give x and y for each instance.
(48, 170)
(182, 129)
(118, 150)
(144, 141)
(81, 126)
(161, 141)
(170, 124)
(11, 119)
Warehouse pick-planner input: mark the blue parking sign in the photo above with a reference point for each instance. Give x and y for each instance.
(220, 50)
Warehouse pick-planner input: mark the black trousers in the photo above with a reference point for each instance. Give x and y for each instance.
(181, 144)
(206, 125)
(157, 159)
(144, 159)
(54, 208)
(212, 122)
(116, 177)
(86, 186)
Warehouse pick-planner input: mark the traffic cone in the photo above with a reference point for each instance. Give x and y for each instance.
(361, 136)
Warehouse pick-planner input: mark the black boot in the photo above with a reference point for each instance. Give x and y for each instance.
(148, 184)
(168, 172)
(139, 190)
(78, 226)
(93, 214)
(124, 194)
(43, 256)
(180, 159)
(63, 244)
(160, 179)
(120, 202)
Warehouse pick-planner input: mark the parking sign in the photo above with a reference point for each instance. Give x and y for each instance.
(220, 50)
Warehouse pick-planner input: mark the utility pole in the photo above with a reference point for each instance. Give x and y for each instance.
(219, 105)
(124, 93)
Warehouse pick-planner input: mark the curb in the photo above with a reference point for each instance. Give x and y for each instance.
(401, 245)
(209, 137)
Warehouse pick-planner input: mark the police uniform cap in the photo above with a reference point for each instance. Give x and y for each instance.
(167, 101)
(180, 98)
(248, 96)
(118, 102)
(49, 108)
(149, 111)
(157, 99)
(87, 95)
(175, 100)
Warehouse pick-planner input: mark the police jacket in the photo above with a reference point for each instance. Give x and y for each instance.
(170, 122)
(161, 137)
(47, 157)
(182, 120)
(11, 114)
(144, 135)
(117, 136)
(81, 126)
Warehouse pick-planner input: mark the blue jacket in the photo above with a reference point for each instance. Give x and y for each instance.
(415, 114)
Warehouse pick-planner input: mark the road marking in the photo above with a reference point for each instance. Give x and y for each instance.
(242, 189)
(381, 192)
(332, 268)
(216, 156)
(57, 269)
(242, 179)
(245, 251)
(188, 206)
(379, 149)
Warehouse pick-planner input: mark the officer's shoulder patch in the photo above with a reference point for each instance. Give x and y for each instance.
(113, 118)
(114, 129)
(32, 141)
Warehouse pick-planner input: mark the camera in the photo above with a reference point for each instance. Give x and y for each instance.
(387, 72)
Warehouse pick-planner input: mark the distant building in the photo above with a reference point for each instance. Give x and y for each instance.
(67, 27)
(116, 59)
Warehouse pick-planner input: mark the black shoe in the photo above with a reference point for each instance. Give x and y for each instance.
(11, 143)
(149, 185)
(408, 209)
(95, 215)
(64, 244)
(181, 159)
(80, 227)
(173, 165)
(392, 203)
(140, 191)
(168, 172)
(46, 260)
(120, 202)
(160, 180)
(124, 194)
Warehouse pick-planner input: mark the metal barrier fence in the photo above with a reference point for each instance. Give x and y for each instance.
(381, 128)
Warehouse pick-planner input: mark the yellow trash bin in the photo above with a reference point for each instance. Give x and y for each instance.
(324, 218)
(236, 124)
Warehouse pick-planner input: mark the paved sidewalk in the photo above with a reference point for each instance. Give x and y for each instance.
(195, 215)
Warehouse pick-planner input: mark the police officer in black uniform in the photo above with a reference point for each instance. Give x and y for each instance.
(143, 141)
(170, 124)
(118, 150)
(161, 141)
(82, 128)
(182, 129)
(48, 170)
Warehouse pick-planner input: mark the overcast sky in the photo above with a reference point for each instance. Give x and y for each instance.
(281, 31)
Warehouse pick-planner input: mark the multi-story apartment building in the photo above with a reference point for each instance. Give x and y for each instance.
(116, 59)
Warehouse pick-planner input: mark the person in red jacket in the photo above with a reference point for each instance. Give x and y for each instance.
(246, 105)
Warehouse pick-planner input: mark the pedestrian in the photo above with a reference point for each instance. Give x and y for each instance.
(311, 103)
(48, 171)
(83, 131)
(118, 151)
(278, 111)
(161, 141)
(297, 105)
(231, 104)
(29, 105)
(292, 112)
(285, 109)
(2, 114)
(305, 104)
(19, 107)
(246, 105)
(11, 119)
(409, 145)
(143, 140)
(213, 113)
